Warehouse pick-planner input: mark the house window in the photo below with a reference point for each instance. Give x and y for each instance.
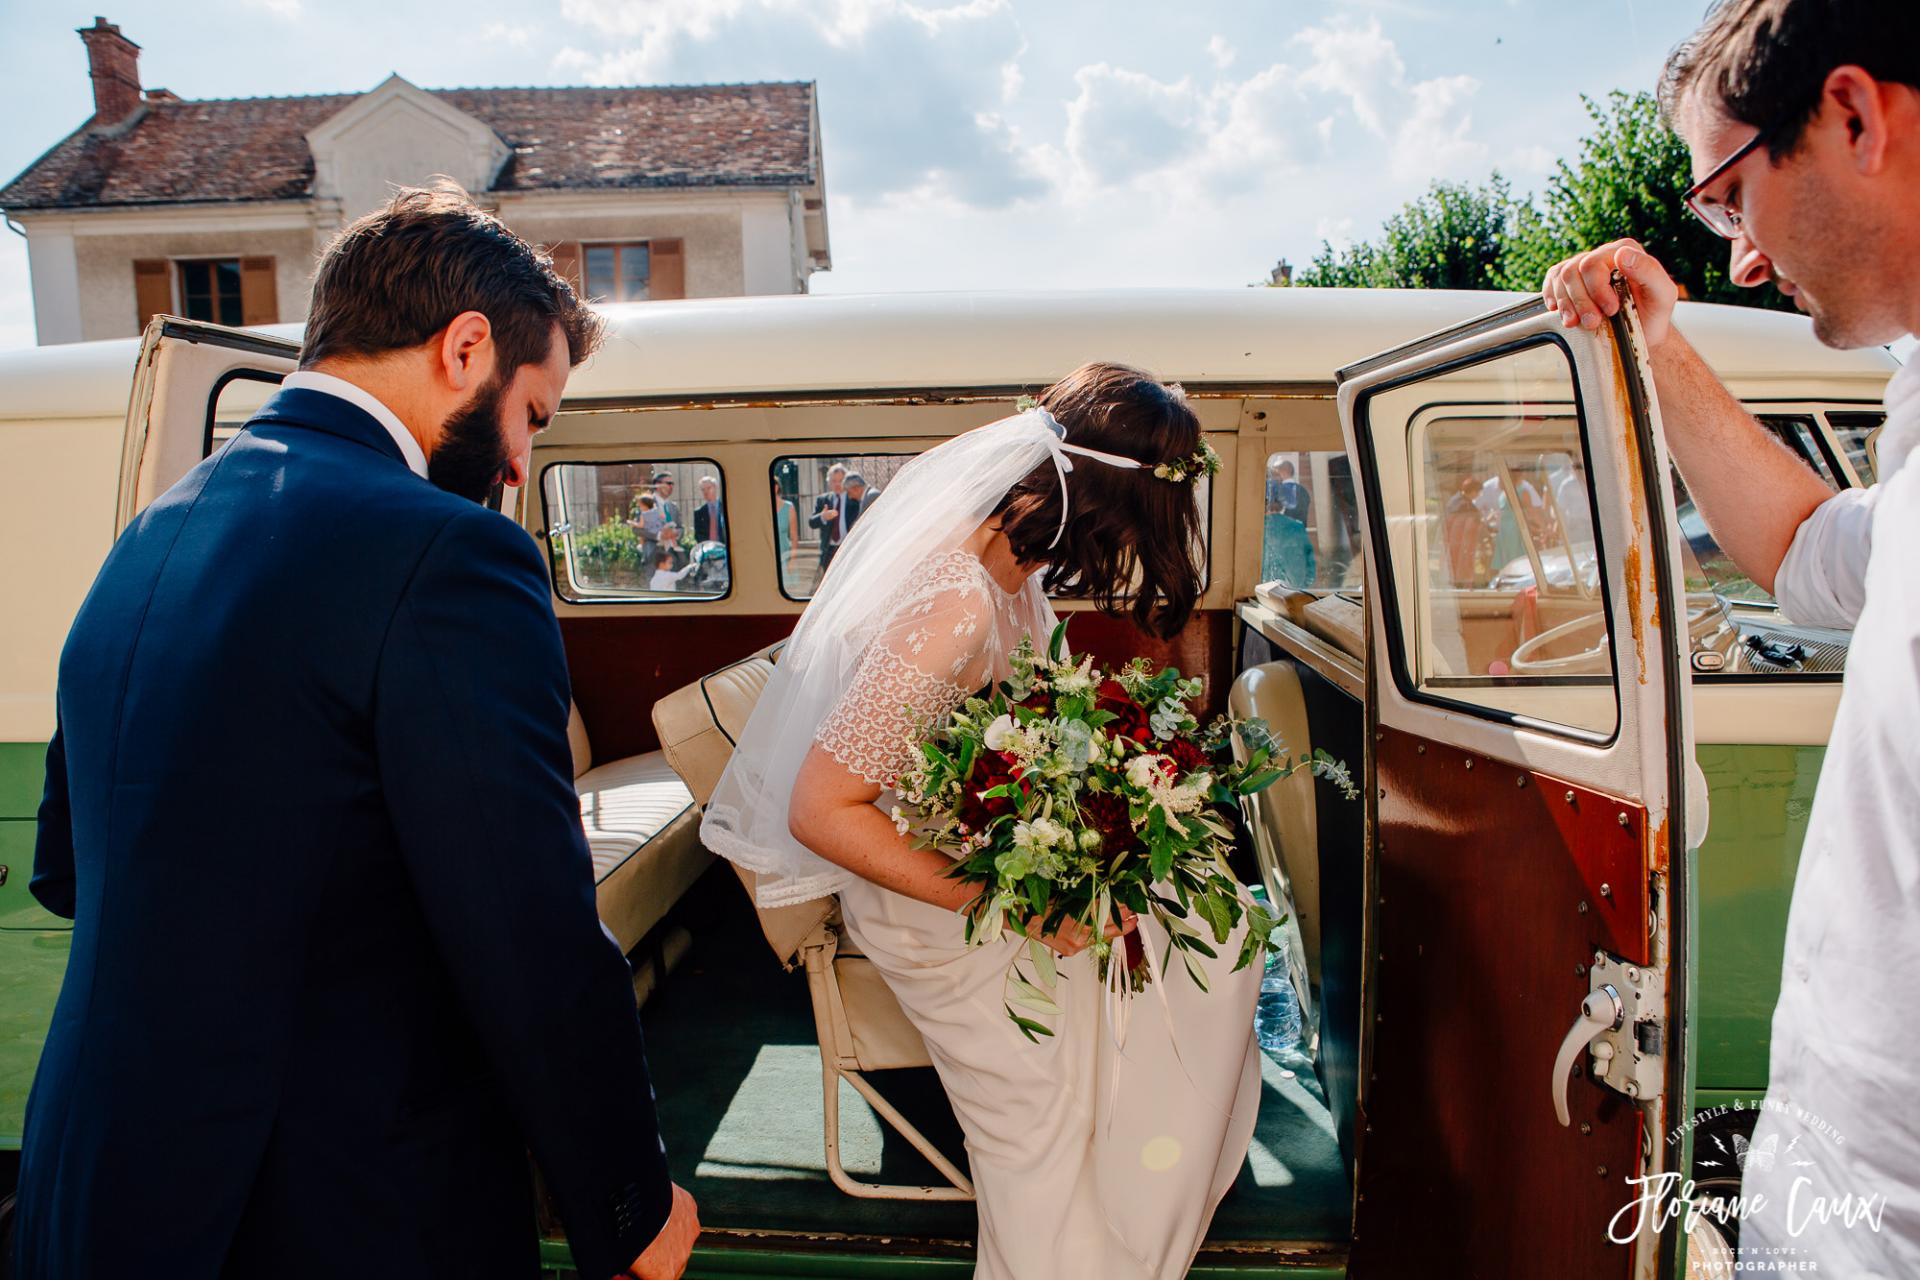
(210, 290)
(618, 272)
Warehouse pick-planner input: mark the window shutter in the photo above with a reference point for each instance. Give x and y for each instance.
(666, 269)
(152, 288)
(259, 293)
(566, 263)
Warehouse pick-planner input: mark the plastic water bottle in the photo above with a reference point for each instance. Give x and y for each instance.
(1276, 1020)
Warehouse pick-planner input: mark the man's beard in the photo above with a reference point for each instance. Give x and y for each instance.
(472, 452)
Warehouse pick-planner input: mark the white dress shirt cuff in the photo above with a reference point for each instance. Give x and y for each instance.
(1822, 580)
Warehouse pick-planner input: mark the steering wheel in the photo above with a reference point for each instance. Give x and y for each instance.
(1707, 628)
(1528, 657)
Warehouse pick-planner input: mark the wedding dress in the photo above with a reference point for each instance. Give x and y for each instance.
(1102, 1150)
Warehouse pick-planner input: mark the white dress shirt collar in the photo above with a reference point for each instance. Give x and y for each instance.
(361, 398)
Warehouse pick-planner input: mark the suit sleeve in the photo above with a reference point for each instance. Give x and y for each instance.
(471, 730)
(52, 881)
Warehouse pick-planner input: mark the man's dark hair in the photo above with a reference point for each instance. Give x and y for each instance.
(399, 275)
(1766, 62)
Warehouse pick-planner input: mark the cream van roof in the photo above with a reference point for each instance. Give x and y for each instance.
(748, 346)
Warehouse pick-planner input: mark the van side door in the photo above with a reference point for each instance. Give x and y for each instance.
(1528, 733)
(192, 383)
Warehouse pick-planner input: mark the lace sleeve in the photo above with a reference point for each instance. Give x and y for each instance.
(925, 661)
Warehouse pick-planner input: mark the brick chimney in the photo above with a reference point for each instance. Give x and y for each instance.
(114, 63)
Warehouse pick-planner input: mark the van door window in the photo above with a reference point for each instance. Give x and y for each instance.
(621, 532)
(1495, 552)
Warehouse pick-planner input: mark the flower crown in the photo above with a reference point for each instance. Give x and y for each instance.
(1201, 462)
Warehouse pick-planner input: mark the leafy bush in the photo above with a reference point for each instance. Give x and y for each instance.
(609, 546)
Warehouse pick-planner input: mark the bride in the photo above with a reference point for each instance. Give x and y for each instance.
(1102, 1150)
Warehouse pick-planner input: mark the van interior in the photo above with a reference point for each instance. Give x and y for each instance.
(1500, 556)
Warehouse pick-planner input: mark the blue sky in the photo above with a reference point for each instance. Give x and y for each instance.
(984, 143)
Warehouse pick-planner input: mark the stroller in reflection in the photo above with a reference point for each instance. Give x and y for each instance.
(705, 571)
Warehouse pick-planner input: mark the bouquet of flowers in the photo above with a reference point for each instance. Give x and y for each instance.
(1071, 792)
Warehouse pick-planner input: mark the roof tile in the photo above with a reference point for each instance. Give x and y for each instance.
(241, 149)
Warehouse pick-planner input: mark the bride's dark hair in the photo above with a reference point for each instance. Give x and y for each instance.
(1133, 540)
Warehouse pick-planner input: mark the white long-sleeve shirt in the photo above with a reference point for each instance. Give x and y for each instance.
(1841, 1117)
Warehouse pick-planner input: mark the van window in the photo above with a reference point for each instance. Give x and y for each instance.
(817, 499)
(621, 532)
(1310, 531)
(1853, 431)
(1494, 567)
(814, 507)
(235, 398)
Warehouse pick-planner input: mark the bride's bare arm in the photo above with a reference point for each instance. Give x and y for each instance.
(832, 813)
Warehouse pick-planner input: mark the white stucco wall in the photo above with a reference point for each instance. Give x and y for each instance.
(107, 304)
(82, 263)
(712, 231)
(53, 269)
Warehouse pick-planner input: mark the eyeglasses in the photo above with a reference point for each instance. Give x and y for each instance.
(1723, 219)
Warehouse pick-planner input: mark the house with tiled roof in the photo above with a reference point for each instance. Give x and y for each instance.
(216, 209)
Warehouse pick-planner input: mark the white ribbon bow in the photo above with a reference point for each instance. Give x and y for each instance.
(1058, 449)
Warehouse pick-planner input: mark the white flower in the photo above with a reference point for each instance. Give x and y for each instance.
(999, 734)
(1144, 771)
(1047, 832)
(900, 822)
(1070, 680)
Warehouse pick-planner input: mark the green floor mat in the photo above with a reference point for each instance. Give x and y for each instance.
(737, 1072)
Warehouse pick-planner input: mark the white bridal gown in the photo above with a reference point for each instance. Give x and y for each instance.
(1089, 1160)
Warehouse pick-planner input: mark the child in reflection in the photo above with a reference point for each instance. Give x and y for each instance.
(665, 576)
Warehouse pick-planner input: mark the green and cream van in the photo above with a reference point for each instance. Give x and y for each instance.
(1532, 969)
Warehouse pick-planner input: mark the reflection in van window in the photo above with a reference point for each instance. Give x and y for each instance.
(1310, 534)
(1853, 431)
(1798, 433)
(1494, 560)
(620, 532)
(817, 500)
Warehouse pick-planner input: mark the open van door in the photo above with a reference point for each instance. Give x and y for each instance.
(177, 410)
(1527, 778)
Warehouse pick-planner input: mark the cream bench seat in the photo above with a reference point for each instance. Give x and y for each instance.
(644, 833)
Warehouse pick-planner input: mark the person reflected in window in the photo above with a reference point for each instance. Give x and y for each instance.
(665, 576)
(648, 525)
(786, 533)
(1460, 529)
(1286, 495)
(663, 493)
(859, 497)
(709, 520)
(830, 514)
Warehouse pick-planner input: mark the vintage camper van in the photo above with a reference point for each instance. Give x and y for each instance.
(1528, 959)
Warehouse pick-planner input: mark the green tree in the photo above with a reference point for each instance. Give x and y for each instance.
(1453, 237)
(1626, 181)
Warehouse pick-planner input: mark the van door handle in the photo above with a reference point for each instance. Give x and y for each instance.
(1602, 1010)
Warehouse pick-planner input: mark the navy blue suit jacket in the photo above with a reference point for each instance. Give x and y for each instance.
(336, 964)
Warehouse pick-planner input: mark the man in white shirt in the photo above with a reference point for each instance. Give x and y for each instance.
(1803, 118)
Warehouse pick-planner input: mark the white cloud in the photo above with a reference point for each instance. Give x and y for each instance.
(513, 35)
(1433, 141)
(1221, 52)
(278, 8)
(1359, 63)
(1530, 159)
(904, 102)
(1125, 124)
(1425, 122)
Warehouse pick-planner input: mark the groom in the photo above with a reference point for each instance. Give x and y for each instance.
(335, 963)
